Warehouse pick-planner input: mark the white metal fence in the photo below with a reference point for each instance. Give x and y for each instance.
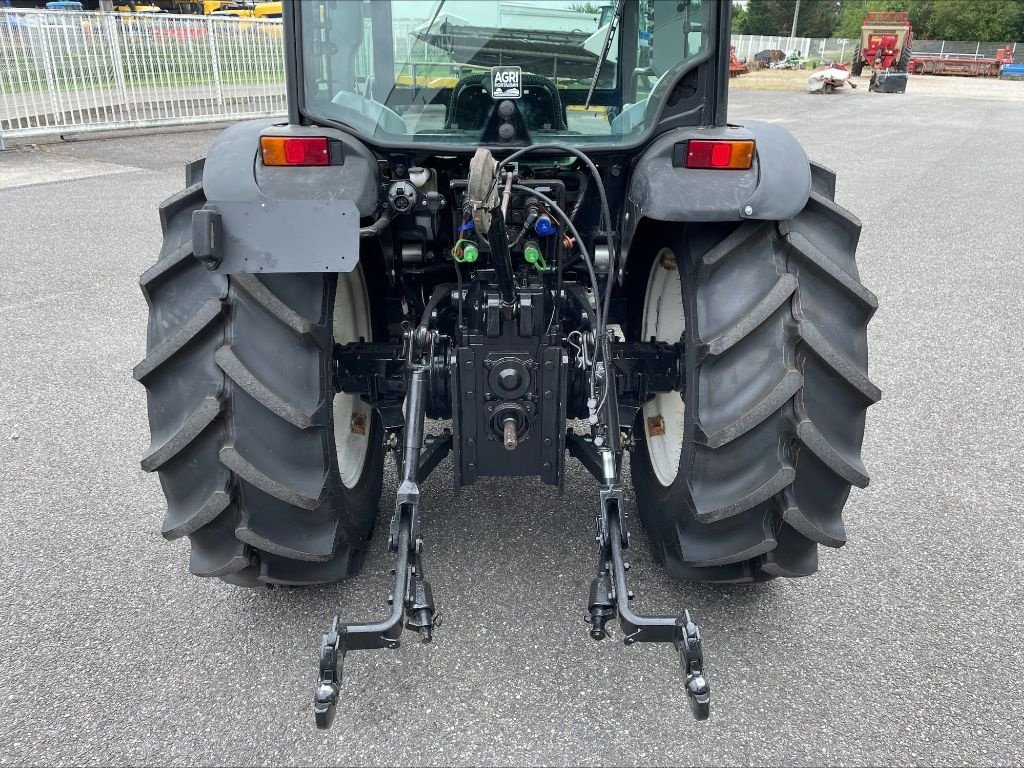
(841, 49)
(70, 72)
(822, 49)
(959, 49)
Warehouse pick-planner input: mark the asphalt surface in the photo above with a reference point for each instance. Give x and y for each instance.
(905, 648)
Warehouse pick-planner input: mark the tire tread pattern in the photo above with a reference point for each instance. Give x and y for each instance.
(777, 390)
(243, 451)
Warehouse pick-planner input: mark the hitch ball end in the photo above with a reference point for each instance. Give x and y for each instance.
(699, 694)
(325, 705)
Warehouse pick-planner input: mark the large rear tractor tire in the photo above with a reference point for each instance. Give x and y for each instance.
(745, 479)
(273, 476)
(903, 64)
(857, 67)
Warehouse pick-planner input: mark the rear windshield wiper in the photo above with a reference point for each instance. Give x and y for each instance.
(613, 23)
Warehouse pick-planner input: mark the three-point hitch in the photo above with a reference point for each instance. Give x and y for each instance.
(411, 596)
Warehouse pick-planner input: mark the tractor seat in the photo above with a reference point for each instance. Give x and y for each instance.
(471, 102)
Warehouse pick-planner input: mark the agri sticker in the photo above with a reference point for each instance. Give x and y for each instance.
(506, 82)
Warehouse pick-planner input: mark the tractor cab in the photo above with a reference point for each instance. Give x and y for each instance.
(462, 72)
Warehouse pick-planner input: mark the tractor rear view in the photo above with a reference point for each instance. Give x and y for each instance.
(885, 43)
(553, 254)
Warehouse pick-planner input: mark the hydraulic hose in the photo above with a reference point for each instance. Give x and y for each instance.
(553, 207)
(376, 228)
(501, 258)
(604, 306)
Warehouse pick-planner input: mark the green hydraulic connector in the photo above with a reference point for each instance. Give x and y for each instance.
(465, 251)
(533, 255)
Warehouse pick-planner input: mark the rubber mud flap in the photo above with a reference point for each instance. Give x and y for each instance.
(260, 236)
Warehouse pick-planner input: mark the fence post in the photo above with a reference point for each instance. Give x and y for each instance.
(977, 52)
(942, 49)
(51, 80)
(842, 53)
(215, 62)
(118, 60)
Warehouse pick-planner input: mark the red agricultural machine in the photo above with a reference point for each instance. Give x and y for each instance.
(736, 67)
(965, 66)
(885, 40)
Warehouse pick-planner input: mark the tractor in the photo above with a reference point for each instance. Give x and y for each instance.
(552, 254)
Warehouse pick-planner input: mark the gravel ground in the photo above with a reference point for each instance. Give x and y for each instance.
(904, 648)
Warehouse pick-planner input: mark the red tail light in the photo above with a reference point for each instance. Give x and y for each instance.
(731, 155)
(288, 150)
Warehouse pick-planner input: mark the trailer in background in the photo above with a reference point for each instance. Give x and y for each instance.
(964, 66)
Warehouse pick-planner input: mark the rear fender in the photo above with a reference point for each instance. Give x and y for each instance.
(280, 219)
(775, 188)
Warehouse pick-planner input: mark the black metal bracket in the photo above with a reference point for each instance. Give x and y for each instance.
(609, 599)
(609, 594)
(410, 594)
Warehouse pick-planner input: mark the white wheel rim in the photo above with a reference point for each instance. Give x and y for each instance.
(664, 320)
(351, 415)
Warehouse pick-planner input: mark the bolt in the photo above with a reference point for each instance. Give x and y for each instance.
(748, 211)
(470, 442)
(547, 466)
(547, 442)
(629, 594)
(471, 467)
(469, 395)
(469, 363)
(625, 566)
(549, 366)
(548, 395)
(391, 599)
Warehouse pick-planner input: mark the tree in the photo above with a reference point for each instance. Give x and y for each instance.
(854, 11)
(739, 19)
(996, 21)
(981, 20)
(585, 8)
(818, 18)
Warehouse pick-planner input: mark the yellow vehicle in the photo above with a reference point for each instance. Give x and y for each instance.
(138, 8)
(209, 6)
(268, 10)
(249, 10)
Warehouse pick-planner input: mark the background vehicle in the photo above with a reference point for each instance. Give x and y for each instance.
(497, 253)
(886, 38)
(964, 66)
(834, 75)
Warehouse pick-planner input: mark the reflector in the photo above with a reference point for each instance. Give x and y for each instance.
(727, 155)
(286, 150)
